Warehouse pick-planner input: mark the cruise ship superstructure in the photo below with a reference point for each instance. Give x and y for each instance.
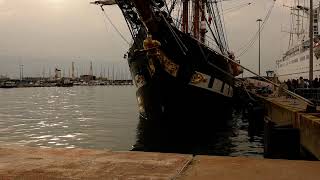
(295, 61)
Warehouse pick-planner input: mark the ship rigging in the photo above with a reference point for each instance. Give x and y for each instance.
(180, 62)
(196, 18)
(181, 76)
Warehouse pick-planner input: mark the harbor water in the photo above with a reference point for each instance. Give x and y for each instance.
(98, 117)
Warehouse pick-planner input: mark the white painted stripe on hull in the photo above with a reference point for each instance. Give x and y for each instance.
(230, 93)
(226, 89)
(217, 85)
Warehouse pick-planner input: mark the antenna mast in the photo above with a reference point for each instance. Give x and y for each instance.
(72, 69)
(91, 69)
(203, 22)
(298, 18)
(196, 18)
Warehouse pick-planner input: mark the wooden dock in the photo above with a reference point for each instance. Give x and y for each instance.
(36, 163)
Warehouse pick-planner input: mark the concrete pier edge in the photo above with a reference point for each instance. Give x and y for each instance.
(287, 111)
(50, 163)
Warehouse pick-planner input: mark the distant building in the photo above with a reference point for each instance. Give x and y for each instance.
(57, 73)
(87, 78)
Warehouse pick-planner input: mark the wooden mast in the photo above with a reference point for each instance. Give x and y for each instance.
(203, 22)
(185, 16)
(196, 18)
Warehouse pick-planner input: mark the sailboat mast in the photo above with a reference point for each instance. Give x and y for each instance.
(185, 16)
(298, 20)
(203, 22)
(196, 18)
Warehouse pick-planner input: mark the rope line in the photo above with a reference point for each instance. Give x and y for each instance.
(244, 49)
(119, 33)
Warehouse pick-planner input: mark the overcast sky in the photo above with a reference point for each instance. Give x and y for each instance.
(43, 34)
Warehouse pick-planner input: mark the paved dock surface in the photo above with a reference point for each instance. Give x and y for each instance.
(37, 163)
(241, 168)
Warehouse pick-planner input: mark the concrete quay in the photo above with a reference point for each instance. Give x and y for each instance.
(284, 111)
(31, 163)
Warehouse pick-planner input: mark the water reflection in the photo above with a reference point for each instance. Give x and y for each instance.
(87, 117)
(230, 139)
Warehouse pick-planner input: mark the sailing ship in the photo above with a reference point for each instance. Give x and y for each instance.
(179, 60)
(295, 61)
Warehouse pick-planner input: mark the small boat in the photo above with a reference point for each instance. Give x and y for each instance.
(8, 84)
(64, 83)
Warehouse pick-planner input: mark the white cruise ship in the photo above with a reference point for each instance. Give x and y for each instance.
(295, 62)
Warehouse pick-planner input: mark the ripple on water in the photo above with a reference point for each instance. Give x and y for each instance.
(55, 139)
(68, 136)
(17, 125)
(42, 137)
(89, 117)
(30, 119)
(62, 144)
(84, 119)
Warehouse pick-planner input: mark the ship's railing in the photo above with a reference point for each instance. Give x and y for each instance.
(312, 94)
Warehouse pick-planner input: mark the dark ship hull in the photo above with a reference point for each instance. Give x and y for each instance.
(180, 81)
(195, 87)
(163, 98)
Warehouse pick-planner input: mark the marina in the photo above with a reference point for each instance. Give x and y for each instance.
(60, 80)
(40, 82)
(183, 97)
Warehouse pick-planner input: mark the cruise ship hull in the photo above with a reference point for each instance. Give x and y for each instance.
(297, 65)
